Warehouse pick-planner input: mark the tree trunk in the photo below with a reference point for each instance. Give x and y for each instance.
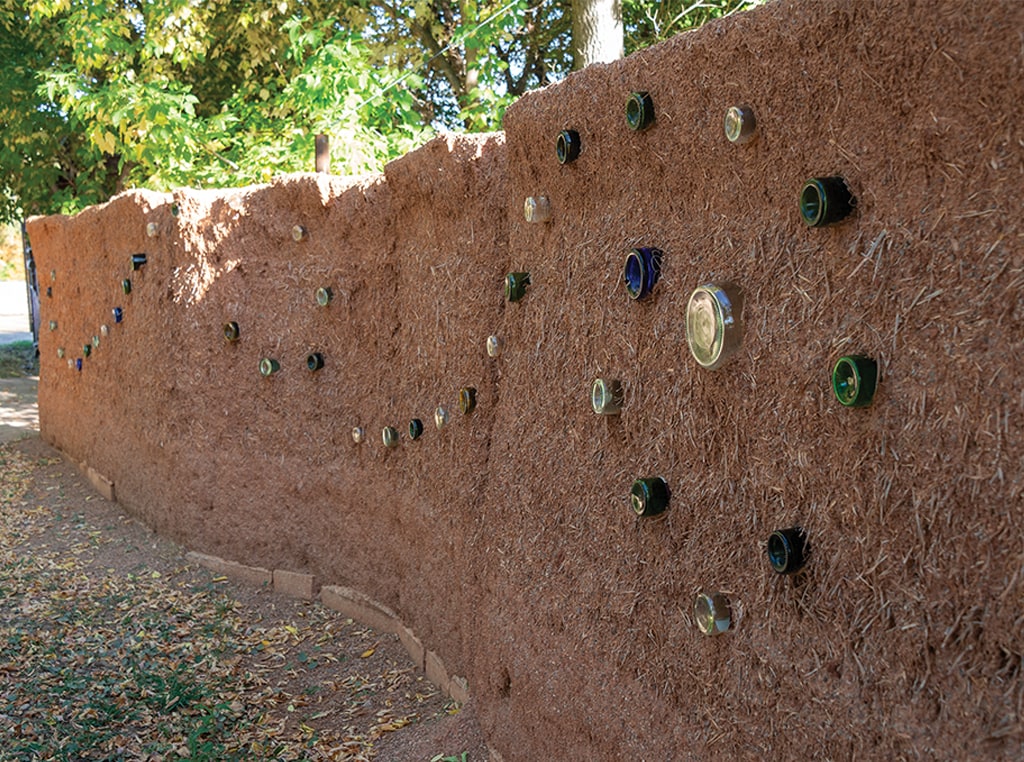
(597, 35)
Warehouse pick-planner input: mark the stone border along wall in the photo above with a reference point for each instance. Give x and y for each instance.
(346, 601)
(506, 540)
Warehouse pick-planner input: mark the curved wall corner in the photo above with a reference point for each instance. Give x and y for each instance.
(506, 539)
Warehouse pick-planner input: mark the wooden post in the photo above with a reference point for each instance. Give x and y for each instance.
(323, 154)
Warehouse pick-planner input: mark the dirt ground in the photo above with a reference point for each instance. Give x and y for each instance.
(19, 382)
(298, 680)
(18, 413)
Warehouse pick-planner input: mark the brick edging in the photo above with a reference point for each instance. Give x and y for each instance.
(350, 603)
(344, 600)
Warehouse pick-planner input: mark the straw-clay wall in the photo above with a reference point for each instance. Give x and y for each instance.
(507, 540)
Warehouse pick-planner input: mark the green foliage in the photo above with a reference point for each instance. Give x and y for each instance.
(466, 61)
(335, 92)
(12, 256)
(122, 667)
(103, 95)
(18, 359)
(111, 95)
(648, 22)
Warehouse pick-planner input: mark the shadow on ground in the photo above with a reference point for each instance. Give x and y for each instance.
(119, 648)
(19, 413)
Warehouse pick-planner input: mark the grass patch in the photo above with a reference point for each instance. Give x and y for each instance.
(84, 685)
(18, 359)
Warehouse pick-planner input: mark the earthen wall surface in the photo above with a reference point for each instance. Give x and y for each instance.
(506, 540)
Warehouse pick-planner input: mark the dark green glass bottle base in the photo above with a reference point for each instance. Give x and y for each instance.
(649, 496)
(854, 379)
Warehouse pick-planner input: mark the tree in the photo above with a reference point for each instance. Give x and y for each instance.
(107, 95)
(597, 32)
(138, 92)
(475, 56)
(43, 165)
(101, 95)
(651, 21)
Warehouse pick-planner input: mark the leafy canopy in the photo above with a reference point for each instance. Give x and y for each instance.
(102, 95)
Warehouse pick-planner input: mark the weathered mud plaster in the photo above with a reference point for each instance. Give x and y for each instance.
(505, 541)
